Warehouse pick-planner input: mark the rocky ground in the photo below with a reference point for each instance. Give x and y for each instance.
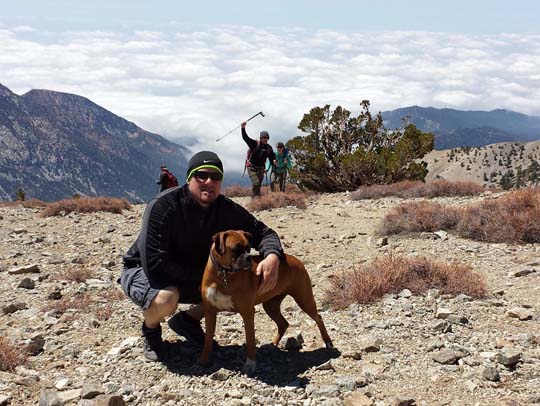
(405, 350)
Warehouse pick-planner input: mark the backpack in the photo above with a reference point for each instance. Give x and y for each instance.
(171, 180)
(248, 156)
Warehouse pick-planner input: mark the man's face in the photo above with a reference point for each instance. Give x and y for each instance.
(264, 139)
(205, 186)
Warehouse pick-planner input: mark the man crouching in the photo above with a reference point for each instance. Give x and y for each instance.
(165, 265)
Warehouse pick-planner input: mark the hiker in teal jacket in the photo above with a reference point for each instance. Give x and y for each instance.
(282, 164)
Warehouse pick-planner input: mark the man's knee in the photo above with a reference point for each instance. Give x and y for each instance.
(166, 300)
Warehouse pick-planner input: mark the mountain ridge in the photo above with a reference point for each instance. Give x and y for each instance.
(475, 128)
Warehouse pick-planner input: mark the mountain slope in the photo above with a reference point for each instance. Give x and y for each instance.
(456, 128)
(487, 165)
(55, 144)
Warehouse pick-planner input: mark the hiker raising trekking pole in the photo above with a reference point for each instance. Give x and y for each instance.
(166, 179)
(259, 152)
(282, 164)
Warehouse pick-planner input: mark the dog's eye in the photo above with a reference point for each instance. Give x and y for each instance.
(238, 249)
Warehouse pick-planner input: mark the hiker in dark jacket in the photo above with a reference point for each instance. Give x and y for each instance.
(259, 152)
(165, 265)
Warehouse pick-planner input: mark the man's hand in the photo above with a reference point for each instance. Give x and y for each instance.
(244, 124)
(268, 268)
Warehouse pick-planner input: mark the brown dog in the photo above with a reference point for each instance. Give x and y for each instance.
(230, 284)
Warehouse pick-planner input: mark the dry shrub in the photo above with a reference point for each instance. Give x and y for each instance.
(408, 189)
(115, 294)
(78, 275)
(33, 203)
(278, 199)
(378, 191)
(440, 188)
(236, 191)
(393, 273)
(29, 204)
(512, 218)
(11, 356)
(418, 217)
(245, 191)
(77, 302)
(104, 312)
(292, 188)
(86, 205)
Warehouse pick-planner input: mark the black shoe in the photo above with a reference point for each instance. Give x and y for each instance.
(182, 324)
(153, 344)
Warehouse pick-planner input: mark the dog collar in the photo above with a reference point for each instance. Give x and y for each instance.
(219, 267)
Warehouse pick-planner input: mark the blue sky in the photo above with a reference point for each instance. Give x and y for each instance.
(192, 72)
(466, 16)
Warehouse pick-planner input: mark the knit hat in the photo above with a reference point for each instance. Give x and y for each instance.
(264, 134)
(204, 159)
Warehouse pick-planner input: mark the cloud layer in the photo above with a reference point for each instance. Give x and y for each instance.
(197, 85)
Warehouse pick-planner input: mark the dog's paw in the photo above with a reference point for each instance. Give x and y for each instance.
(249, 367)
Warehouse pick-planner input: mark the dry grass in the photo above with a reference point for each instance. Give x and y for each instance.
(245, 191)
(236, 191)
(512, 218)
(115, 294)
(78, 275)
(408, 189)
(393, 273)
(86, 205)
(30, 203)
(11, 356)
(278, 199)
(77, 302)
(101, 305)
(104, 312)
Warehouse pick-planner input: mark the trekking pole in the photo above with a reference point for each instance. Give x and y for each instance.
(238, 126)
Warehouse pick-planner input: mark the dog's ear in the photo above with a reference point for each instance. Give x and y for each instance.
(249, 237)
(219, 242)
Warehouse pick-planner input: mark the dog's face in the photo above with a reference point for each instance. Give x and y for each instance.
(231, 249)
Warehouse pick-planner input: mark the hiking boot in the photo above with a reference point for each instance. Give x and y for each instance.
(182, 324)
(153, 344)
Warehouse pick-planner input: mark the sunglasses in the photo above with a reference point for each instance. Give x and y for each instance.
(203, 176)
(279, 147)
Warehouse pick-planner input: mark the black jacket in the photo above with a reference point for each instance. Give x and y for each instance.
(259, 152)
(176, 235)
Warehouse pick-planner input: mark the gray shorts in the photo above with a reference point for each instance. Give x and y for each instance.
(142, 291)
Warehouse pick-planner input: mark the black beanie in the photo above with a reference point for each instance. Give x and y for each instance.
(204, 159)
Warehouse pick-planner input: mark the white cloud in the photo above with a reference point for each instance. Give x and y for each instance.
(203, 83)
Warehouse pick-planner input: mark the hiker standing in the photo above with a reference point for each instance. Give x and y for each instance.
(166, 179)
(282, 164)
(258, 153)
